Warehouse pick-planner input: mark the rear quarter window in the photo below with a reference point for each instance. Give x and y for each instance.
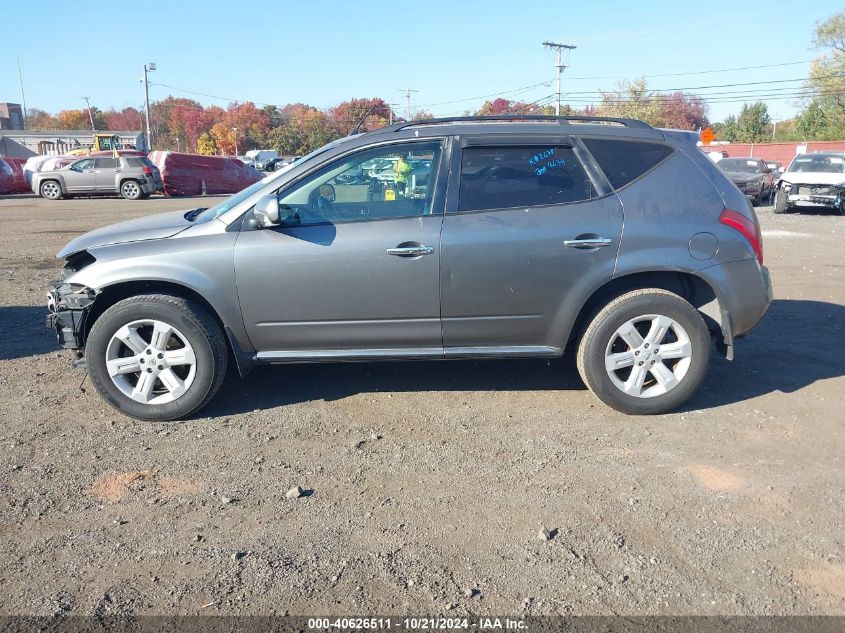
(625, 161)
(502, 177)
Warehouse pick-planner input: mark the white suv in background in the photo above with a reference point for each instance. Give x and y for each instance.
(813, 181)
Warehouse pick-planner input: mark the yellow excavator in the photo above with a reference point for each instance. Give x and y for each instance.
(102, 143)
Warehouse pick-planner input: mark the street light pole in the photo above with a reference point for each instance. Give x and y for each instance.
(235, 130)
(148, 68)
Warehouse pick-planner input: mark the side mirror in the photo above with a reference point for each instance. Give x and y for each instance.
(266, 211)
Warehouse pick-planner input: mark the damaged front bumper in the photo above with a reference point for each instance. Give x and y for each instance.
(830, 196)
(67, 307)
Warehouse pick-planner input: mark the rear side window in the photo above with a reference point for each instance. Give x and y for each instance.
(625, 161)
(105, 163)
(521, 176)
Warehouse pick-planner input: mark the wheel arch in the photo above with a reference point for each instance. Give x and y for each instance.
(56, 179)
(124, 179)
(110, 295)
(694, 289)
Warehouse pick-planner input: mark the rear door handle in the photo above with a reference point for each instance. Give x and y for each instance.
(588, 242)
(410, 250)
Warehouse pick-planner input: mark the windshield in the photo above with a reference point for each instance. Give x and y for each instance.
(741, 165)
(823, 164)
(229, 203)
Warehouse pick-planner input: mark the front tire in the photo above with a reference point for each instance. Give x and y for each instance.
(645, 353)
(156, 357)
(781, 201)
(51, 190)
(131, 190)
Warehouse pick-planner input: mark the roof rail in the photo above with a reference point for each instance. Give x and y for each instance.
(523, 118)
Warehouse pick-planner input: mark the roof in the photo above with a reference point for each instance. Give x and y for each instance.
(521, 124)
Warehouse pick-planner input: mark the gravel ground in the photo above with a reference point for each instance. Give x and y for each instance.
(426, 484)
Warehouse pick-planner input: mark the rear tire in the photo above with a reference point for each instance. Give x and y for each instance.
(660, 337)
(156, 357)
(131, 190)
(781, 201)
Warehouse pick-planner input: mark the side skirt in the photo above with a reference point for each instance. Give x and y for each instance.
(428, 353)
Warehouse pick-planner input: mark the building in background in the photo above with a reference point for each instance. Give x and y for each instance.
(11, 116)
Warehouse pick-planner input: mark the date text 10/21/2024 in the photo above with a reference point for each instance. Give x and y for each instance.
(417, 623)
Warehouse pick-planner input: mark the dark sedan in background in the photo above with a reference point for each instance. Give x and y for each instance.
(753, 177)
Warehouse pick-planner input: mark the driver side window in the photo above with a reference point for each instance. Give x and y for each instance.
(387, 182)
(82, 165)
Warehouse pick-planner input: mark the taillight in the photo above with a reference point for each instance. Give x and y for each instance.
(747, 227)
(148, 170)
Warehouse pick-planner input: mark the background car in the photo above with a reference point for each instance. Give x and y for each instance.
(134, 177)
(812, 180)
(752, 176)
(777, 168)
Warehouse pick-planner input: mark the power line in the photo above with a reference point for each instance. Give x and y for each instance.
(495, 94)
(744, 83)
(699, 72)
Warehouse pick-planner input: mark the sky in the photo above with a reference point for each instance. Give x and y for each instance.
(453, 54)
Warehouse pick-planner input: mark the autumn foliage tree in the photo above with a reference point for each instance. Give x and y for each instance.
(127, 119)
(370, 113)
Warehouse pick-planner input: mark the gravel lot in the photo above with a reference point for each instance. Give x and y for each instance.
(427, 482)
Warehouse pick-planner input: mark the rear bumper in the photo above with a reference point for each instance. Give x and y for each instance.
(744, 291)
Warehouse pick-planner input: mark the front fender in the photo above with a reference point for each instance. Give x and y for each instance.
(203, 264)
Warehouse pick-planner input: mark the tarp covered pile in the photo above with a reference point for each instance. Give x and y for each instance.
(194, 175)
(12, 179)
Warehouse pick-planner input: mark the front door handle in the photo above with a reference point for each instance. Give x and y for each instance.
(588, 241)
(410, 249)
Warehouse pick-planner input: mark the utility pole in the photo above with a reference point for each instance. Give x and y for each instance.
(148, 68)
(235, 130)
(23, 96)
(408, 92)
(90, 116)
(560, 67)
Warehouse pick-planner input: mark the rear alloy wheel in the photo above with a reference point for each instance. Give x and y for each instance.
(645, 353)
(156, 357)
(50, 190)
(130, 190)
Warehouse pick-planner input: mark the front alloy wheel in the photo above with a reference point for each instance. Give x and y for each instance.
(151, 362)
(157, 357)
(51, 190)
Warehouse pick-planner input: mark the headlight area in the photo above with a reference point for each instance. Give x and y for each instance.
(76, 262)
(67, 306)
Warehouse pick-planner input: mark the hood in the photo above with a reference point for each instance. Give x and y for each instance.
(812, 178)
(152, 227)
(741, 176)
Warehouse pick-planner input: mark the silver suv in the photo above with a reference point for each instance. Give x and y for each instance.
(494, 238)
(133, 177)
